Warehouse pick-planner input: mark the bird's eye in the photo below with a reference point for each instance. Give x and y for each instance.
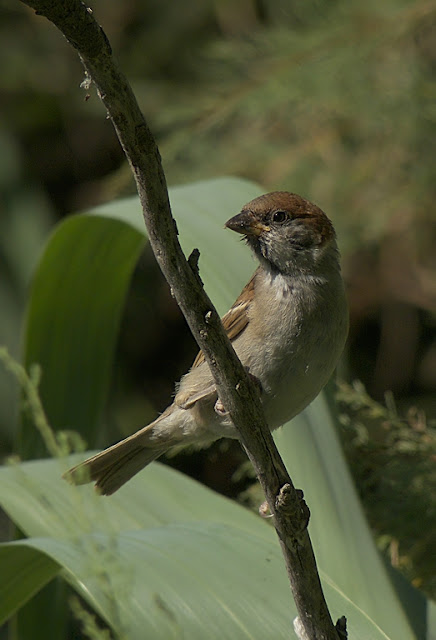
(279, 216)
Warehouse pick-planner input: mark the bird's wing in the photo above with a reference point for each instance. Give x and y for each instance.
(235, 322)
(236, 319)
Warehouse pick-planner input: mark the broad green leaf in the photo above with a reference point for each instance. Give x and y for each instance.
(181, 549)
(42, 504)
(152, 584)
(200, 210)
(24, 571)
(72, 321)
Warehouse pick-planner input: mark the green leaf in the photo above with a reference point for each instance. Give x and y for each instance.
(24, 571)
(42, 504)
(73, 319)
(200, 210)
(215, 567)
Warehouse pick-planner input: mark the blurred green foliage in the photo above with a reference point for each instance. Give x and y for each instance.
(392, 459)
(334, 99)
(25, 219)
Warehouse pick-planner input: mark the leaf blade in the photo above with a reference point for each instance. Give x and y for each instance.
(24, 571)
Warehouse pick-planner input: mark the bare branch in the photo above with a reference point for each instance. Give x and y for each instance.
(237, 392)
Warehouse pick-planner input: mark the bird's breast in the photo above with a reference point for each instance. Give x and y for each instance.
(299, 339)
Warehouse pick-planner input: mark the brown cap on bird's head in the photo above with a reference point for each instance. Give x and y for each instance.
(281, 207)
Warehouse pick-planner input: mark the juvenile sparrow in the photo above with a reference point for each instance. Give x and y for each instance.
(288, 327)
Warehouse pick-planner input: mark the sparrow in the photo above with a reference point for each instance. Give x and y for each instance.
(288, 327)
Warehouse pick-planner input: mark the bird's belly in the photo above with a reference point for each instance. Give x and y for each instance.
(294, 393)
(286, 389)
(292, 369)
(295, 378)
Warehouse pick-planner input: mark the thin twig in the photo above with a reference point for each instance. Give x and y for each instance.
(237, 392)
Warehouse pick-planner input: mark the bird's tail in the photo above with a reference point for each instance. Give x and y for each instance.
(111, 468)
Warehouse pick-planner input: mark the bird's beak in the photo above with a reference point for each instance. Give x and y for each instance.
(246, 223)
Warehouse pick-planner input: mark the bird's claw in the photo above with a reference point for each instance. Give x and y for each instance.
(220, 408)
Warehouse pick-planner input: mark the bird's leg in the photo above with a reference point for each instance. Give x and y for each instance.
(219, 407)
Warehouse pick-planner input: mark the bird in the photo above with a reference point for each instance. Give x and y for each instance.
(288, 327)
